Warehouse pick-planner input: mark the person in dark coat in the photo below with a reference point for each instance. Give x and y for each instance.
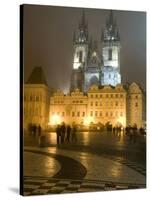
(114, 130)
(68, 133)
(74, 135)
(34, 130)
(30, 129)
(63, 131)
(135, 133)
(39, 130)
(58, 133)
(131, 133)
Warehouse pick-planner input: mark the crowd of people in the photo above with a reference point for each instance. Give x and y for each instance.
(35, 130)
(66, 133)
(133, 132)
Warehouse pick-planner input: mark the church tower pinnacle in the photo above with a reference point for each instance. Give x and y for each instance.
(80, 40)
(80, 43)
(110, 38)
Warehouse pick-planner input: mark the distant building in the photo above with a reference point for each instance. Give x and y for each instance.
(99, 105)
(117, 105)
(36, 99)
(96, 95)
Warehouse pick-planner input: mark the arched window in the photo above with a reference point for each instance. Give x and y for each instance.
(110, 54)
(80, 56)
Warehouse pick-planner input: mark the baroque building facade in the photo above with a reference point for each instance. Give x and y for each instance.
(96, 95)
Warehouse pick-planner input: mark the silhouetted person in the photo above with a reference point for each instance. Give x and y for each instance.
(68, 133)
(30, 129)
(39, 130)
(34, 130)
(63, 131)
(127, 130)
(114, 130)
(134, 133)
(58, 133)
(74, 135)
(119, 129)
(131, 134)
(141, 130)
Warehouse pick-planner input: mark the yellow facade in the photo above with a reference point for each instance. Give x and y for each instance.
(68, 108)
(135, 105)
(116, 105)
(107, 104)
(36, 105)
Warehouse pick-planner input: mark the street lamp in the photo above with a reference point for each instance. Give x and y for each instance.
(55, 120)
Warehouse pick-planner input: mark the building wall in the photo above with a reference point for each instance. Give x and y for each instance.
(107, 105)
(135, 105)
(36, 105)
(89, 78)
(98, 106)
(68, 108)
(83, 48)
(115, 61)
(116, 105)
(111, 64)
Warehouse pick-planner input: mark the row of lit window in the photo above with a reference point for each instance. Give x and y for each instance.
(107, 103)
(32, 112)
(77, 101)
(32, 98)
(92, 114)
(136, 96)
(59, 113)
(59, 102)
(74, 102)
(107, 96)
(73, 114)
(107, 114)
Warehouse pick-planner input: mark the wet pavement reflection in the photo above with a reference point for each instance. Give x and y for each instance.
(117, 145)
(37, 165)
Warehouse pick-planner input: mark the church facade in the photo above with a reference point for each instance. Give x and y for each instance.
(97, 95)
(89, 65)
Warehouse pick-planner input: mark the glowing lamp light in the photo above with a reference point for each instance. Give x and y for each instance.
(87, 121)
(55, 120)
(121, 120)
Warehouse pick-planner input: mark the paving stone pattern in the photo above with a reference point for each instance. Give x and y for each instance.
(41, 186)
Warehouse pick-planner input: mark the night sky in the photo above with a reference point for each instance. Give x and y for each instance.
(48, 41)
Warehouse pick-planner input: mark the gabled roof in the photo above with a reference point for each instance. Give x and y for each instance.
(37, 76)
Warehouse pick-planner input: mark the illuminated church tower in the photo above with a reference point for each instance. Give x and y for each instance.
(80, 41)
(92, 71)
(110, 70)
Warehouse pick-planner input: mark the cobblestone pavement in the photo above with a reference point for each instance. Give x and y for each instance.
(42, 185)
(97, 162)
(117, 146)
(75, 172)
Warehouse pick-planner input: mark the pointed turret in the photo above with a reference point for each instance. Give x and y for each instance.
(110, 71)
(110, 31)
(37, 76)
(74, 36)
(83, 24)
(82, 32)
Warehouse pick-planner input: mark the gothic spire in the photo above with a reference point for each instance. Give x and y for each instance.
(82, 33)
(110, 32)
(74, 36)
(83, 23)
